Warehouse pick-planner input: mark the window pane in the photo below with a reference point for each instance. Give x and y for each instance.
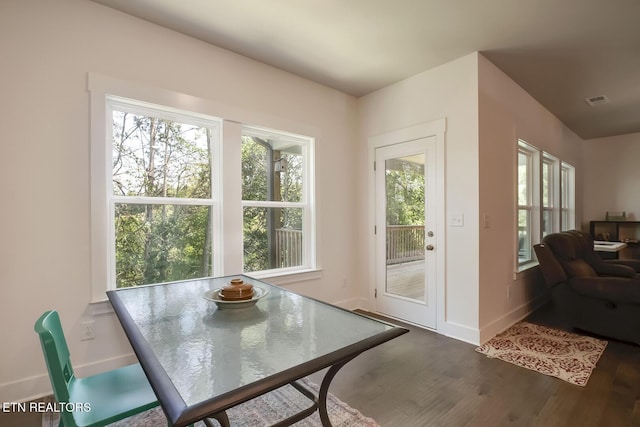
(568, 196)
(405, 190)
(271, 170)
(523, 179)
(547, 222)
(160, 243)
(160, 158)
(524, 236)
(272, 238)
(564, 182)
(547, 181)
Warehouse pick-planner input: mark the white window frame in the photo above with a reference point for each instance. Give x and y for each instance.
(116, 103)
(306, 204)
(567, 196)
(228, 213)
(533, 201)
(561, 190)
(553, 182)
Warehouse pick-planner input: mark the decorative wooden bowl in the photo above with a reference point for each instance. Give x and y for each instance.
(236, 290)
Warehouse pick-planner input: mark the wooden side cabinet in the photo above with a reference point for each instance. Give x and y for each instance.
(618, 231)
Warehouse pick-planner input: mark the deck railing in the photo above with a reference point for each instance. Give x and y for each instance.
(404, 243)
(288, 247)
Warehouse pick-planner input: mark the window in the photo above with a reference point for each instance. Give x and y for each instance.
(545, 193)
(568, 201)
(276, 200)
(164, 208)
(528, 201)
(550, 195)
(162, 199)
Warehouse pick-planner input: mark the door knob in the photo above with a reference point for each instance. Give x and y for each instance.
(429, 247)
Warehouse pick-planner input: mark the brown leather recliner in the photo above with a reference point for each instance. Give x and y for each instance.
(593, 295)
(593, 258)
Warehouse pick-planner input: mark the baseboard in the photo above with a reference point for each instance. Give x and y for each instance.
(363, 304)
(514, 316)
(459, 332)
(26, 389)
(39, 386)
(351, 303)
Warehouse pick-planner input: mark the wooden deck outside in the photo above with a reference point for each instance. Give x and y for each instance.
(406, 279)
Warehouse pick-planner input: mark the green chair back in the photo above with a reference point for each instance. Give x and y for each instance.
(112, 395)
(56, 354)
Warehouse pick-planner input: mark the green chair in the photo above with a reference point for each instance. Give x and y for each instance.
(110, 396)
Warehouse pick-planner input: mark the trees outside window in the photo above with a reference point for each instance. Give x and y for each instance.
(161, 196)
(276, 200)
(168, 191)
(405, 208)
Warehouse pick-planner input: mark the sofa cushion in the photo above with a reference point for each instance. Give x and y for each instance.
(569, 252)
(579, 268)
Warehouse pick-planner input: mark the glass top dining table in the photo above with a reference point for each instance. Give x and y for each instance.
(202, 359)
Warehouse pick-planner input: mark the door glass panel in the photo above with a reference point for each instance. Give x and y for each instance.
(405, 220)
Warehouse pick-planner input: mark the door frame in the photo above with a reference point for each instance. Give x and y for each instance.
(437, 129)
(420, 311)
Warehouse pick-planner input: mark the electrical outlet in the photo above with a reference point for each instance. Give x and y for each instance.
(345, 282)
(87, 330)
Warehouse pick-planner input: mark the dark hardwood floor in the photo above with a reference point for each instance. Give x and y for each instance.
(425, 379)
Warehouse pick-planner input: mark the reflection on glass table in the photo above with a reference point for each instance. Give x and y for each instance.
(202, 359)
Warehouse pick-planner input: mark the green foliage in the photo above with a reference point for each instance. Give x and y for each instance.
(405, 193)
(159, 242)
(255, 235)
(160, 158)
(405, 206)
(255, 165)
(261, 183)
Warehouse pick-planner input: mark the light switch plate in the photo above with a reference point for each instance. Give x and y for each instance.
(456, 220)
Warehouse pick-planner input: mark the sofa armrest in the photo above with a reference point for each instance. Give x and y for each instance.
(614, 269)
(615, 289)
(633, 263)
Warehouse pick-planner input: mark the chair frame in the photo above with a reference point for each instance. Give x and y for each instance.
(109, 396)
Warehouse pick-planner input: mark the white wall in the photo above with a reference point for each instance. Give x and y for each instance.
(612, 177)
(47, 49)
(507, 113)
(449, 91)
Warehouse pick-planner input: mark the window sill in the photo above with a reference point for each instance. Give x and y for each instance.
(275, 277)
(525, 270)
(283, 278)
(100, 307)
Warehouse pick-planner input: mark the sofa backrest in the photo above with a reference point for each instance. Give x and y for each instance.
(551, 269)
(572, 254)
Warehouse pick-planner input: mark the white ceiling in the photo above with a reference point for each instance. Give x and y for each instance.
(560, 51)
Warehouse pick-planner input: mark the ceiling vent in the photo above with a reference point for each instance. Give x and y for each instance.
(597, 100)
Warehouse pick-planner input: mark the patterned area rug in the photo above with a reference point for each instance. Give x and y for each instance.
(266, 410)
(560, 354)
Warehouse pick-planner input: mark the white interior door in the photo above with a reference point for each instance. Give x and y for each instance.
(405, 192)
